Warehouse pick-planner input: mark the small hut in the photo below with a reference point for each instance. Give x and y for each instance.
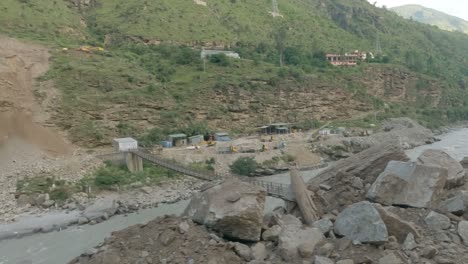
(195, 140)
(222, 136)
(177, 139)
(124, 144)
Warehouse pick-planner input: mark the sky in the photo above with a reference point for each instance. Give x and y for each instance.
(457, 8)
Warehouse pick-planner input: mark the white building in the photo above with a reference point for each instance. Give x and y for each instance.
(124, 144)
(231, 54)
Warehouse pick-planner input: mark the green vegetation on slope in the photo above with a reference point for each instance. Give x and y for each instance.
(136, 88)
(432, 17)
(48, 21)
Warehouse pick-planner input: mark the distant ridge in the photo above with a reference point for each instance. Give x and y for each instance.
(432, 17)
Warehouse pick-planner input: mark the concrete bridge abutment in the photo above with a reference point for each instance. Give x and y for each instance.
(134, 162)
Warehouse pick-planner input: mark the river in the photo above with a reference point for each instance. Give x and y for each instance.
(61, 247)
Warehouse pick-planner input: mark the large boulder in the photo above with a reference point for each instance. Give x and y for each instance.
(237, 219)
(435, 157)
(368, 163)
(294, 236)
(396, 226)
(361, 222)
(463, 231)
(457, 204)
(102, 208)
(409, 184)
(464, 162)
(437, 221)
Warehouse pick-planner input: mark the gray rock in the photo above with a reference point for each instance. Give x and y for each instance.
(325, 187)
(243, 251)
(39, 199)
(294, 235)
(83, 220)
(409, 184)
(272, 233)
(361, 222)
(184, 227)
(325, 250)
(437, 221)
(396, 226)
(463, 231)
(345, 261)
(428, 252)
(215, 237)
(357, 183)
(99, 207)
(323, 260)
(390, 258)
(48, 203)
(306, 249)
(324, 224)
(435, 157)
(392, 243)
(457, 204)
(464, 162)
(167, 237)
(242, 219)
(233, 197)
(146, 189)
(258, 251)
(24, 200)
(444, 260)
(370, 162)
(409, 243)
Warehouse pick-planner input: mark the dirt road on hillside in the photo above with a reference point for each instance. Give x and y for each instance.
(21, 115)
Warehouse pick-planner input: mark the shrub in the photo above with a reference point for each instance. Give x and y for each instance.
(109, 176)
(60, 194)
(220, 59)
(244, 166)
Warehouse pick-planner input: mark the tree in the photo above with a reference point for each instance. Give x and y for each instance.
(245, 166)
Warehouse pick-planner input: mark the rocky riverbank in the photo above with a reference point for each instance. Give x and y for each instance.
(403, 132)
(82, 209)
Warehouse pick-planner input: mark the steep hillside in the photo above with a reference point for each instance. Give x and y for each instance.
(150, 79)
(432, 17)
(46, 20)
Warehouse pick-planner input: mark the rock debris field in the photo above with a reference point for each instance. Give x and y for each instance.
(373, 207)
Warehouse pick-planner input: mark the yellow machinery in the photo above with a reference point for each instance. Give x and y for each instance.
(89, 49)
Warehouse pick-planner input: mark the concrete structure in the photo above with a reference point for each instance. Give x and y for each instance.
(124, 144)
(325, 132)
(194, 140)
(134, 162)
(177, 139)
(222, 136)
(348, 59)
(276, 128)
(231, 54)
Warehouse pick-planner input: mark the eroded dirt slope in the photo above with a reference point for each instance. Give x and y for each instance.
(20, 114)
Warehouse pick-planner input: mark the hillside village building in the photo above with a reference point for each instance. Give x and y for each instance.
(348, 59)
(231, 54)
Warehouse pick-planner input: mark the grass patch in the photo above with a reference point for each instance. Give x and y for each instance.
(58, 190)
(111, 177)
